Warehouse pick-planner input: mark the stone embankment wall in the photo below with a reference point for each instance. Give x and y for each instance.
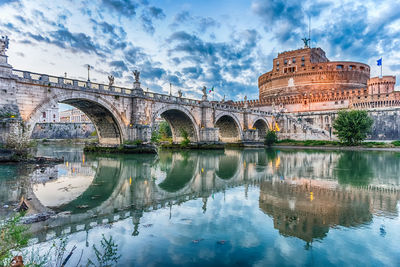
(62, 130)
(386, 125)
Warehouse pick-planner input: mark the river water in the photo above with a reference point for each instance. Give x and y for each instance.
(235, 207)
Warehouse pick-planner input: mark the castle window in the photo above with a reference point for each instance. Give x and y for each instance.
(352, 67)
(302, 64)
(294, 60)
(277, 63)
(362, 68)
(285, 62)
(302, 58)
(277, 69)
(339, 67)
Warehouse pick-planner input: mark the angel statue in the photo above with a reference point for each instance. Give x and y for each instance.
(136, 74)
(204, 89)
(180, 93)
(3, 44)
(110, 80)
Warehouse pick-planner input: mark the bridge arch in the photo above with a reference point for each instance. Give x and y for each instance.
(109, 124)
(178, 118)
(261, 125)
(230, 130)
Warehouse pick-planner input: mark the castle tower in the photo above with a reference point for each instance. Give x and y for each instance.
(384, 85)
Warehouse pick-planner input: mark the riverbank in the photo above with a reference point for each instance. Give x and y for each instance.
(335, 145)
(122, 149)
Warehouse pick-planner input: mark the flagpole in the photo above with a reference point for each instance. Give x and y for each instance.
(381, 68)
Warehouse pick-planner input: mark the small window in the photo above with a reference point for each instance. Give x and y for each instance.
(277, 63)
(362, 68)
(44, 114)
(336, 102)
(294, 60)
(342, 102)
(302, 64)
(352, 67)
(285, 62)
(277, 69)
(339, 67)
(320, 68)
(302, 58)
(54, 116)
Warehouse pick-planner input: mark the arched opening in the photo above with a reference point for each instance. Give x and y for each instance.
(180, 123)
(75, 118)
(229, 131)
(261, 127)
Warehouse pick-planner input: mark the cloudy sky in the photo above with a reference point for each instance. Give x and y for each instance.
(222, 43)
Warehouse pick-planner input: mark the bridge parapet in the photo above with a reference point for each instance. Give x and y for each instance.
(74, 84)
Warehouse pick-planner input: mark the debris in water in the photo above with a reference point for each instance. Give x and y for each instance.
(221, 242)
(82, 206)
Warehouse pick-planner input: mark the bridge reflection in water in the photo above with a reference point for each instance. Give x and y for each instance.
(304, 192)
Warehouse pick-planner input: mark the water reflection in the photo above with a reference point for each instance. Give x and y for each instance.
(305, 194)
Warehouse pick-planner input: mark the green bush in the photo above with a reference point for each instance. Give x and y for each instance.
(164, 130)
(396, 143)
(94, 133)
(134, 142)
(185, 135)
(155, 137)
(352, 127)
(270, 138)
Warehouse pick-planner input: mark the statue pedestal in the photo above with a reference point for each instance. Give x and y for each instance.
(5, 68)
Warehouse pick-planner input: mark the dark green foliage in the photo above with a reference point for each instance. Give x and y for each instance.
(396, 143)
(352, 127)
(185, 135)
(155, 137)
(270, 138)
(165, 130)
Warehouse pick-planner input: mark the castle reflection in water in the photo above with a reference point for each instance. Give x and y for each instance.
(305, 192)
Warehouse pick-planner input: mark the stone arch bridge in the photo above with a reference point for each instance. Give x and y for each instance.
(127, 114)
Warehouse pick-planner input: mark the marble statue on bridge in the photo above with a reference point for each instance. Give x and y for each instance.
(3, 44)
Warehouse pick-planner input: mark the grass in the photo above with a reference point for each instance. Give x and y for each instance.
(336, 143)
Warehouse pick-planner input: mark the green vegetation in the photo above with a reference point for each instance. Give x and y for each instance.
(185, 135)
(270, 138)
(121, 149)
(165, 130)
(352, 127)
(136, 142)
(94, 133)
(396, 143)
(13, 237)
(107, 255)
(164, 133)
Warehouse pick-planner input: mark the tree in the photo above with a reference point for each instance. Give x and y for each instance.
(164, 130)
(270, 138)
(352, 127)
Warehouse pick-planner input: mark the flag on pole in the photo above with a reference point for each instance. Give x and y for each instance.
(379, 62)
(211, 90)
